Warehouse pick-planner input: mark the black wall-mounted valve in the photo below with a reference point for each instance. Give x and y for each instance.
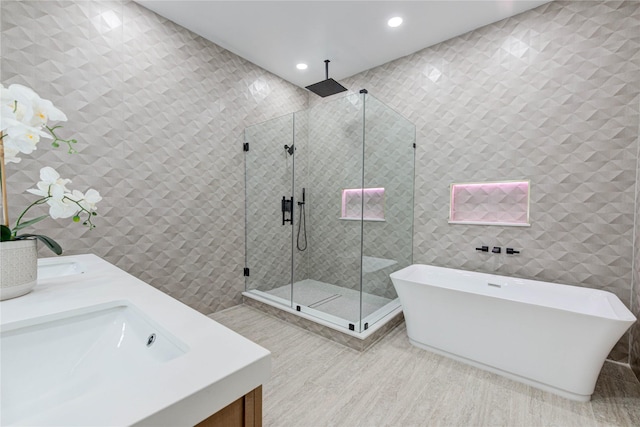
(512, 251)
(287, 207)
(496, 250)
(483, 249)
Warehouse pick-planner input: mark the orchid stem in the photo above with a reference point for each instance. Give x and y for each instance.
(37, 202)
(88, 222)
(56, 139)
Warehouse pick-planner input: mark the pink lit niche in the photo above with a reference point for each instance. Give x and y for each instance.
(490, 203)
(354, 200)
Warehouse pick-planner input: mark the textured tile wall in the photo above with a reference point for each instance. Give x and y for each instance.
(329, 158)
(550, 95)
(388, 163)
(302, 253)
(269, 174)
(160, 114)
(268, 178)
(338, 156)
(505, 202)
(335, 156)
(331, 162)
(634, 334)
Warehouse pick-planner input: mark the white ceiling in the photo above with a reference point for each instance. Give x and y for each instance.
(276, 35)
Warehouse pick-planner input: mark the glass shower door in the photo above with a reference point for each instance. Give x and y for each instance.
(387, 244)
(329, 210)
(329, 163)
(268, 209)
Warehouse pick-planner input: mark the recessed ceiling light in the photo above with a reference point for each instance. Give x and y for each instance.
(395, 21)
(301, 66)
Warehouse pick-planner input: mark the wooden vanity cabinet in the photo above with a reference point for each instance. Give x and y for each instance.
(244, 412)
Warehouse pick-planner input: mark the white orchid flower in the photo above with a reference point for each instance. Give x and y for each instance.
(7, 106)
(62, 202)
(17, 140)
(43, 111)
(28, 108)
(23, 121)
(21, 99)
(88, 200)
(49, 174)
(7, 118)
(62, 208)
(23, 116)
(18, 137)
(11, 155)
(23, 138)
(8, 102)
(50, 185)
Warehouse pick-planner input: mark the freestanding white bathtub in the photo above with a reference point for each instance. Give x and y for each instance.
(554, 337)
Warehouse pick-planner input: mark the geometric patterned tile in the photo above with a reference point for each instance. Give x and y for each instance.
(552, 96)
(159, 114)
(634, 333)
(328, 158)
(337, 161)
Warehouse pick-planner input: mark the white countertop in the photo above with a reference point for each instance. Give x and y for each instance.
(219, 367)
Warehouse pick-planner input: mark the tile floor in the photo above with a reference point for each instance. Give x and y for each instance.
(317, 382)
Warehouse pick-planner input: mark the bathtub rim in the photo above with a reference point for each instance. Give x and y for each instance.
(621, 311)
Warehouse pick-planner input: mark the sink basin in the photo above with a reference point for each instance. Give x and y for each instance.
(75, 353)
(51, 360)
(52, 267)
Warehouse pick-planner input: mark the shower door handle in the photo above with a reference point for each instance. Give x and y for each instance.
(287, 206)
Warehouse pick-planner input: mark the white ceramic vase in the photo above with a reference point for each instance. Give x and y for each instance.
(18, 267)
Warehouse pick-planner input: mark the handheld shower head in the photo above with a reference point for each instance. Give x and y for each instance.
(289, 149)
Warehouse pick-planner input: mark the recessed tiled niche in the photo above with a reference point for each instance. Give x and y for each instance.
(363, 203)
(490, 203)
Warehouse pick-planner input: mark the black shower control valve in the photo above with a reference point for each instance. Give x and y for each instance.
(512, 251)
(483, 249)
(496, 250)
(287, 207)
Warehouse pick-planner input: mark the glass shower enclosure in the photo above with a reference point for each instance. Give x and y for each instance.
(329, 210)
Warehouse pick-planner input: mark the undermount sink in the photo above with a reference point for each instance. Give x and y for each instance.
(58, 267)
(92, 345)
(57, 358)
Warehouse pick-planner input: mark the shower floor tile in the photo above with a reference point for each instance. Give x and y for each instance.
(331, 299)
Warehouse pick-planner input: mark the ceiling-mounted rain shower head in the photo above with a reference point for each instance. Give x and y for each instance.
(326, 87)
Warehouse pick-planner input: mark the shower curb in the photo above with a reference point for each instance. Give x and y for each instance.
(347, 340)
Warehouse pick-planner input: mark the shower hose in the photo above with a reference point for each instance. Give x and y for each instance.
(302, 223)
